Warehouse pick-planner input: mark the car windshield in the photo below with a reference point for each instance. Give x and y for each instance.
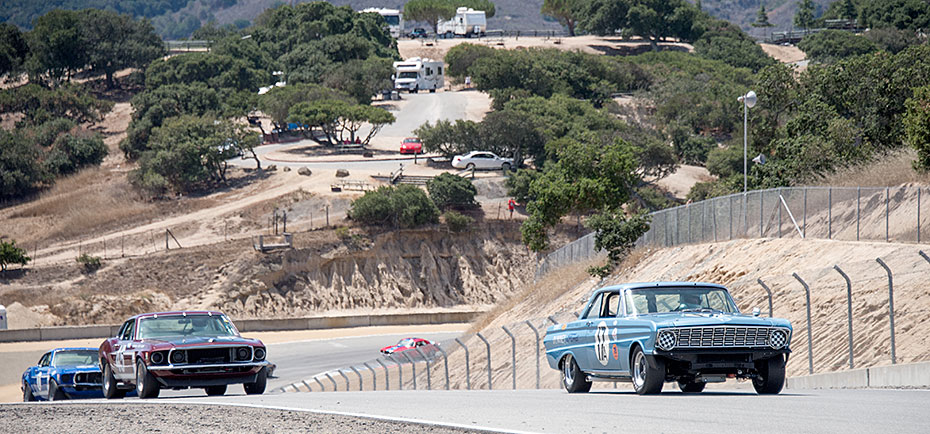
(411, 140)
(678, 299)
(74, 358)
(405, 343)
(190, 325)
(407, 74)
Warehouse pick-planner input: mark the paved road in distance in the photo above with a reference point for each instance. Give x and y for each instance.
(794, 411)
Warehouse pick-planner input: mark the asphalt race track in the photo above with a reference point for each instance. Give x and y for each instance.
(793, 411)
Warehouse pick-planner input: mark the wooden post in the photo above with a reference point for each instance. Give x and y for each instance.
(327, 215)
(104, 248)
(122, 246)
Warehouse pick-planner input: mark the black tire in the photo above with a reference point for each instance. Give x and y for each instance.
(573, 379)
(771, 378)
(215, 390)
(432, 91)
(55, 393)
(648, 377)
(692, 386)
(258, 387)
(505, 167)
(110, 391)
(27, 393)
(470, 166)
(146, 384)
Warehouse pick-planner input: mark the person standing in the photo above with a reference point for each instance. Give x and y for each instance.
(511, 204)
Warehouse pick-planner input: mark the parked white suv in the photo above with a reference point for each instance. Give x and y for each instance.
(481, 160)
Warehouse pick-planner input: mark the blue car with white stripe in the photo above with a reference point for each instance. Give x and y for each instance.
(681, 332)
(64, 373)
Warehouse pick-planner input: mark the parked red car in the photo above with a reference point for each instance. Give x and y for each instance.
(404, 345)
(411, 145)
(180, 350)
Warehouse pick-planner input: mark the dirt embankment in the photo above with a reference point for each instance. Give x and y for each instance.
(324, 274)
(737, 264)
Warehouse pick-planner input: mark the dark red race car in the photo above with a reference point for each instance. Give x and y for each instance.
(180, 350)
(405, 344)
(411, 145)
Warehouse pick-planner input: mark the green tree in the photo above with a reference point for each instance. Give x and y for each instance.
(152, 107)
(115, 42)
(616, 233)
(762, 18)
(658, 19)
(39, 104)
(451, 191)
(848, 10)
(461, 57)
(917, 126)
(449, 138)
(362, 79)
(901, 14)
(566, 11)
(831, 45)
(893, 40)
(13, 49)
(57, 47)
(603, 17)
(404, 206)
(279, 101)
(431, 11)
(10, 254)
(731, 45)
(804, 18)
(21, 171)
(72, 151)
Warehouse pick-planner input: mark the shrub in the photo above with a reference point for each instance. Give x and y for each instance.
(832, 45)
(90, 263)
(462, 56)
(457, 222)
(451, 191)
(10, 254)
(405, 206)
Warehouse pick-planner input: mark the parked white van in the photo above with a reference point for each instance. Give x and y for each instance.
(393, 17)
(466, 22)
(416, 74)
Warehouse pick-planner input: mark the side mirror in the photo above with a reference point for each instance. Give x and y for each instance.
(756, 311)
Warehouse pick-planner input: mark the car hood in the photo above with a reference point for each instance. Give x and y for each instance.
(183, 341)
(694, 319)
(77, 369)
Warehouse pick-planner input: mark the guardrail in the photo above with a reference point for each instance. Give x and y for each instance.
(254, 325)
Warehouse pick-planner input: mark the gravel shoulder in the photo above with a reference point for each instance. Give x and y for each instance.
(89, 418)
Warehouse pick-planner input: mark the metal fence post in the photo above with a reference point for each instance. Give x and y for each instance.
(918, 215)
(429, 383)
(810, 336)
(387, 375)
(552, 319)
(535, 332)
(890, 306)
(713, 218)
(703, 219)
(761, 213)
(322, 388)
(305, 383)
(848, 312)
(374, 377)
(830, 213)
(488, 345)
(513, 355)
(804, 232)
(331, 381)
(344, 377)
(769, 292)
(467, 368)
(445, 363)
(779, 213)
(887, 190)
(361, 386)
(400, 373)
(730, 202)
(858, 212)
(413, 366)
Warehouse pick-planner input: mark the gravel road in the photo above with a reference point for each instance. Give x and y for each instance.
(174, 418)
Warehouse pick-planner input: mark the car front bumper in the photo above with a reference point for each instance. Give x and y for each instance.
(207, 375)
(722, 360)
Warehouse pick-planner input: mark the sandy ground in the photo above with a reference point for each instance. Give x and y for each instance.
(680, 182)
(784, 53)
(436, 49)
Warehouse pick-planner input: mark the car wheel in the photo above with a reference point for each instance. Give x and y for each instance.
(505, 167)
(146, 384)
(470, 166)
(771, 376)
(573, 378)
(55, 393)
(258, 387)
(110, 391)
(432, 91)
(27, 393)
(216, 390)
(647, 378)
(691, 386)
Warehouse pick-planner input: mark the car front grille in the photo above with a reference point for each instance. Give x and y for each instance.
(88, 377)
(209, 355)
(722, 337)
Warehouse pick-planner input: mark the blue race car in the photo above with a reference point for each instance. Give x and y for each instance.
(653, 333)
(64, 373)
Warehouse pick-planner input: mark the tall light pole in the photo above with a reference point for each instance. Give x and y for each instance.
(749, 101)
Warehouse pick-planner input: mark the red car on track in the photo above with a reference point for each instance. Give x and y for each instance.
(404, 345)
(180, 350)
(411, 145)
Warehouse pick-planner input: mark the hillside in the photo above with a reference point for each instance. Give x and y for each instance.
(743, 13)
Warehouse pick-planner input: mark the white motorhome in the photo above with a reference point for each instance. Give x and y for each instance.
(466, 22)
(416, 74)
(393, 17)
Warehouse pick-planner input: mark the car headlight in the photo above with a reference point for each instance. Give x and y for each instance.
(666, 340)
(778, 339)
(243, 353)
(177, 357)
(259, 354)
(157, 358)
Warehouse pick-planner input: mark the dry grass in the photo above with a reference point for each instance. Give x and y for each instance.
(889, 170)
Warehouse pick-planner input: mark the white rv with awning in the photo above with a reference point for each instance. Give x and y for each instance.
(466, 22)
(416, 74)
